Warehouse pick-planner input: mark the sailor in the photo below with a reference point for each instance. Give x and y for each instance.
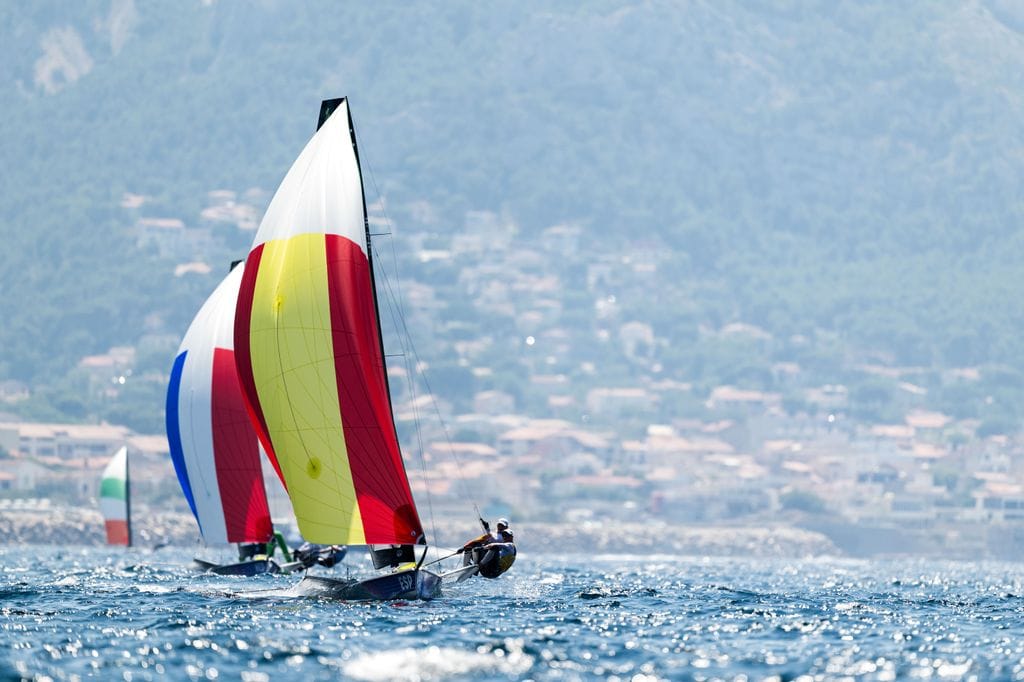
(494, 552)
(309, 554)
(277, 541)
(251, 550)
(260, 550)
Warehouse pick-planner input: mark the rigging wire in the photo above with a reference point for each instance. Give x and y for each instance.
(413, 361)
(413, 355)
(407, 360)
(394, 305)
(414, 403)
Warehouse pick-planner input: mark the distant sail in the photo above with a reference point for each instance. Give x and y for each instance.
(212, 441)
(309, 352)
(114, 499)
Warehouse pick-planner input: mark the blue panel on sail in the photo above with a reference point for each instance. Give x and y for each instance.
(174, 432)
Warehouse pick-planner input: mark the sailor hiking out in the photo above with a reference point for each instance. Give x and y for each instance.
(493, 552)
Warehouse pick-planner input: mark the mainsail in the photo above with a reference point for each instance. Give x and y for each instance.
(309, 352)
(114, 502)
(213, 444)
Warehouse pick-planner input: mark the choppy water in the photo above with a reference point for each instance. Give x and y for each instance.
(110, 615)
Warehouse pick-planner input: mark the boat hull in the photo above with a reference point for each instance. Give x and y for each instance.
(409, 584)
(242, 568)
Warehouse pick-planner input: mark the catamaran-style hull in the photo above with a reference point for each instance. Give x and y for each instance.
(410, 584)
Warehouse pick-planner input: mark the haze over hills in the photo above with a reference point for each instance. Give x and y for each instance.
(840, 172)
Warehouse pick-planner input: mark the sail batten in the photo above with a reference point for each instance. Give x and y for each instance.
(309, 353)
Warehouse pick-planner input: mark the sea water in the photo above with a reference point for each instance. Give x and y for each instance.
(136, 615)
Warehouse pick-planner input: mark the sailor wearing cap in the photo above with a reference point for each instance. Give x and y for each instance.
(494, 552)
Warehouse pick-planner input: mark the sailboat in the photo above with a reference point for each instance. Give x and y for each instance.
(115, 501)
(213, 446)
(310, 358)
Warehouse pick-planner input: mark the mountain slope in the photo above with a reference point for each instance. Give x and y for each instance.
(843, 166)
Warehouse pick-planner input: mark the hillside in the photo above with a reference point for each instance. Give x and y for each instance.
(846, 169)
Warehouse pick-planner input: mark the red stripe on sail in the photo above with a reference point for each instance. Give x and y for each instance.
(378, 473)
(243, 355)
(117, 532)
(236, 456)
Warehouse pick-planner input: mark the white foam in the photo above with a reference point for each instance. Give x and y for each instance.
(435, 663)
(156, 589)
(552, 579)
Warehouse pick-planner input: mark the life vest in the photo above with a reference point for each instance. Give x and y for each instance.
(493, 561)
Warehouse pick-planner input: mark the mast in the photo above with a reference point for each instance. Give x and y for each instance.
(127, 498)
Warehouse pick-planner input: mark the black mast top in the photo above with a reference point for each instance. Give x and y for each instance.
(327, 108)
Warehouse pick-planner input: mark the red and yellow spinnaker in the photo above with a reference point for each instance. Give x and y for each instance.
(308, 350)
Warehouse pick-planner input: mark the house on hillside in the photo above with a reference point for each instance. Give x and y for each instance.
(148, 447)
(553, 439)
(828, 398)
(77, 478)
(68, 441)
(890, 440)
(668, 458)
(224, 208)
(108, 370)
(171, 238)
(493, 402)
(1000, 499)
(599, 487)
(26, 473)
(927, 425)
(744, 400)
(993, 454)
(618, 402)
(9, 437)
(461, 454)
(561, 239)
(549, 384)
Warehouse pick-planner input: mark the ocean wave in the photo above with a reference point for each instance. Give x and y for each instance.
(437, 663)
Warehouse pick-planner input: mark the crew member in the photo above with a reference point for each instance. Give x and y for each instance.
(493, 552)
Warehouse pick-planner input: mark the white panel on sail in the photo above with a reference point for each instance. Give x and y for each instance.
(327, 163)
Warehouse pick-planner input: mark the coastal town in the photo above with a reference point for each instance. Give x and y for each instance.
(576, 390)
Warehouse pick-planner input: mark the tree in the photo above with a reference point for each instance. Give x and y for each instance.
(802, 500)
(997, 426)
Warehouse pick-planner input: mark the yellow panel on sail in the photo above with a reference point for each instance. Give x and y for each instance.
(293, 370)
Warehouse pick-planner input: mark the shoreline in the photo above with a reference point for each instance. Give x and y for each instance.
(77, 526)
(45, 525)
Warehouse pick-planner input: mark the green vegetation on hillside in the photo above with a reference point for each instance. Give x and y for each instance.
(822, 170)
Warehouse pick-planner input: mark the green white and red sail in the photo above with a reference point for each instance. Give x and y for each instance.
(309, 355)
(114, 502)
